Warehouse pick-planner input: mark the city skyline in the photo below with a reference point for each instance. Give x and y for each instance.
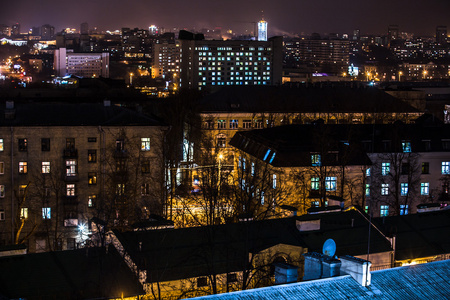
(283, 17)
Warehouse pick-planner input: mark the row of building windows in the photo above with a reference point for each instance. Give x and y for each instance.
(70, 144)
(405, 168)
(404, 188)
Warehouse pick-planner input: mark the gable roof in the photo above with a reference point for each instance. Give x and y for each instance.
(294, 144)
(171, 254)
(304, 99)
(348, 229)
(418, 235)
(76, 114)
(76, 274)
(424, 281)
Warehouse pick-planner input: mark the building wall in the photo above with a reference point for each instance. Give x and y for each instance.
(81, 64)
(67, 212)
(205, 64)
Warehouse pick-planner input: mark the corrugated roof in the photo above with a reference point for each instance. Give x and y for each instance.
(425, 281)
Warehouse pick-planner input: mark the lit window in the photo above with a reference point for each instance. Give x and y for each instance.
(45, 167)
(406, 146)
(2, 215)
(145, 144)
(2, 191)
(403, 189)
(367, 190)
(385, 168)
(46, 213)
(330, 183)
(253, 169)
(368, 172)
(366, 209)
(315, 184)
(274, 181)
(234, 124)
(92, 156)
(92, 178)
(384, 210)
(425, 188)
(24, 213)
(403, 209)
(91, 200)
(315, 160)
(384, 189)
(221, 141)
(262, 198)
(1, 145)
(23, 167)
(71, 167)
(266, 155)
(70, 189)
(2, 168)
(445, 169)
(120, 188)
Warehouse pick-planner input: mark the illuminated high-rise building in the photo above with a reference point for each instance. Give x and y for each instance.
(211, 63)
(262, 31)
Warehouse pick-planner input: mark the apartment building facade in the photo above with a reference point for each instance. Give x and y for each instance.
(79, 163)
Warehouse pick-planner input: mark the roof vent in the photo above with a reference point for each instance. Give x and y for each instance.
(106, 103)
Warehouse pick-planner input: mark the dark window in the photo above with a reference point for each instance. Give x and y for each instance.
(70, 143)
(70, 244)
(405, 169)
(202, 281)
(425, 168)
(120, 144)
(426, 145)
(232, 277)
(445, 144)
(45, 144)
(92, 139)
(23, 144)
(92, 156)
(146, 166)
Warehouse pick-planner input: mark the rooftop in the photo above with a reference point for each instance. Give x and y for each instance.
(424, 281)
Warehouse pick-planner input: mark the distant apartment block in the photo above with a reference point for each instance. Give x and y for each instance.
(81, 64)
(210, 63)
(166, 59)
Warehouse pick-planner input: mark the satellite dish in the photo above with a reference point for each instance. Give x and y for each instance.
(329, 247)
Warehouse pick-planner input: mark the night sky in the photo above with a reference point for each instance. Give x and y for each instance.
(283, 16)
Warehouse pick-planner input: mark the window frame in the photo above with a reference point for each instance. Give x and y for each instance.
(45, 167)
(145, 144)
(23, 167)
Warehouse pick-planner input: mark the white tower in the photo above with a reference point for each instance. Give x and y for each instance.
(262, 30)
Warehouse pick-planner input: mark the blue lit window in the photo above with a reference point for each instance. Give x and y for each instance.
(406, 146)
(367, 189)
(445, 168)
(425, 188)
(403, 189)
(330, 183)
(403, 209)
(315, 160)
(272, 158)
(368, 172)
(385, 168)
(384, 210)
(46, 213)
(274, 181)
(315, 184)
(266, 155)
(384, 189)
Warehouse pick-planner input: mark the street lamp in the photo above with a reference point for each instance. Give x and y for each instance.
(131, 78)
(399, 75)
(220, 157)
(424, 74)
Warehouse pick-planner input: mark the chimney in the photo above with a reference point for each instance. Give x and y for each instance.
(358, 268)
(285, 273)
(318, 265)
